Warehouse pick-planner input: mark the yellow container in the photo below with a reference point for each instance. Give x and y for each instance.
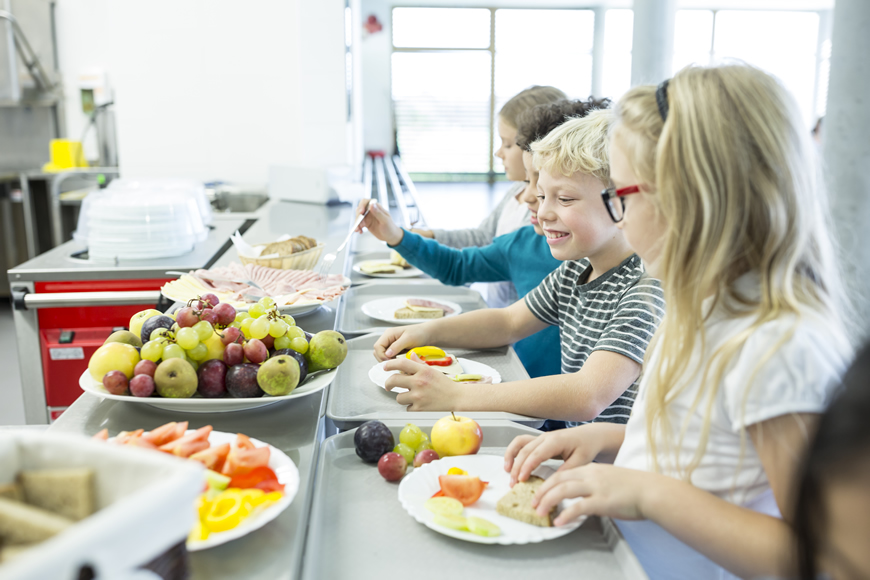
(65, 154)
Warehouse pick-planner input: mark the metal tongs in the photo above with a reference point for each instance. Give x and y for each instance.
(329, 259)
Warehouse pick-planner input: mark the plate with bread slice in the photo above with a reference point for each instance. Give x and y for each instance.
(461, 370)
(409, 310)
(500, 515)
(395, 267)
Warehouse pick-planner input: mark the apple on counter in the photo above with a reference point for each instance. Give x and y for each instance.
(456, 435)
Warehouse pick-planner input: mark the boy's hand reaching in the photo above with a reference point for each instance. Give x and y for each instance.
(428, 389)
(395, 340)
(379, 223)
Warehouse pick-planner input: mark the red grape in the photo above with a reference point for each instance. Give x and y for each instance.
(145, 367)
(256, 351)
(209, 316)
(208, 300)
(269, 341)
(142, 386)
(234, 354)
(392, 466)
(115, 382)
(186, 317)
(225, 313)
(231, 334)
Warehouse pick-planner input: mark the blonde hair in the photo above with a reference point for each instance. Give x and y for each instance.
(526, 99)
(578, 145)
(733, 171)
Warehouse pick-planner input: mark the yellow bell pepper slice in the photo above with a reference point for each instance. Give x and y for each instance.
(425, 352)
(227, 511)
(198, 533)
(456, 471)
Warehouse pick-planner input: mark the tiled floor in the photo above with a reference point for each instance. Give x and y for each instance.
(445, 205)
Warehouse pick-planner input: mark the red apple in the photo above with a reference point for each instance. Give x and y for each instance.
(455, 435)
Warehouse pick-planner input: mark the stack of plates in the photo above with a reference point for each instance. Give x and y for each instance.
(142, 220)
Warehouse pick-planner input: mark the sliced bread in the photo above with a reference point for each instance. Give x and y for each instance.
(25, 524)
(517, 504)
(11, 491)
(66, 492)
(406, 312)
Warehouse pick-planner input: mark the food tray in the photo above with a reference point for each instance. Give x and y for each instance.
(355, 399)
(358, 279)
(304, 260)
(358, 529)
(350, 319)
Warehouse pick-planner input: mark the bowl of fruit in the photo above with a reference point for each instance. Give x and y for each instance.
(207, 357)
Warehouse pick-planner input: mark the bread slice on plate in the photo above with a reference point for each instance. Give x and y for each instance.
(406, 313)
(517, 504)
(379, 268)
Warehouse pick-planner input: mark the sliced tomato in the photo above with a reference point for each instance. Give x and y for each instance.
(189, 444)
(125, 437)
(270, 485)
(253, 477)
(438, 493)
(244, 457)
(465, 488)
(166, 433)
(101, 436)
(213, 457)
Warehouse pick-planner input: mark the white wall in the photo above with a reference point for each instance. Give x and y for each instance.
(213, 89)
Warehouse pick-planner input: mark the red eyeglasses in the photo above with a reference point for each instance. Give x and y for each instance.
(612, 200)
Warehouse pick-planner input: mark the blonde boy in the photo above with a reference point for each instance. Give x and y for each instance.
(604, 305)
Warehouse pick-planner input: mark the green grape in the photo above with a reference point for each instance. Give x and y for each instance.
(174, 328)
(288, 319)
(411, 436)
(203, 329)
(187, 338)
(260, 328)
(193, 363)
(198, 352)
(424, 443)
(277, 328)
(246, 326)
(172, 351)
(300, 345)
(256, 311)
(266, 302)
(295, 332)
(158, 332)
(282, 342)
(406, 452)
(236, 324)
(152, 350)
(241, 316)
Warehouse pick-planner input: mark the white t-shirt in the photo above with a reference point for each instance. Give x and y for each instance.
(799, 377)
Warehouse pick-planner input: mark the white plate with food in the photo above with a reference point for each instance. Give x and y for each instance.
(385, 269)
(422, 483)
(410, 310)
(472, 372)
(313, 383)
(288, 475)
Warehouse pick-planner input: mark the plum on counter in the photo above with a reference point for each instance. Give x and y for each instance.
(372, 439)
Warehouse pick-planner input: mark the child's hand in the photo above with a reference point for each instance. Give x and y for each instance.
(380, 223)
(605, 490)
(395, 340)
(428, 389)
(527, 452)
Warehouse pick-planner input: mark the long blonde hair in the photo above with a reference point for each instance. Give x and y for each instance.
(733, 172)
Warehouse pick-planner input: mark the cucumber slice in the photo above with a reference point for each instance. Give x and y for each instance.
(444, 506)
(452, 522)
(482, 527)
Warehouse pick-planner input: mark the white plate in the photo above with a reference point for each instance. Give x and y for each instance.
(422, 482)
(411, 272)
(385, 309)
(379, 376)
(197, 404)
(295, 310)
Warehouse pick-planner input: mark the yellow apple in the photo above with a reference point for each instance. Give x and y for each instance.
(455, 435)
(113, 356)
(215, 347)
(139, 319)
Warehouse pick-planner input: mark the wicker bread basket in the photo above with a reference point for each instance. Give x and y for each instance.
(305, 260)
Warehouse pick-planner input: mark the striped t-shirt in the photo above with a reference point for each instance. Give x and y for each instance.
(618, 311)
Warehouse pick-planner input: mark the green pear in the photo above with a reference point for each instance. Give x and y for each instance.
(125, 337)
(279, 375)
(175, 378)
(326, 350)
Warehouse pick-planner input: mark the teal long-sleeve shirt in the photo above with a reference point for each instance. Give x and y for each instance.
(522, 257)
